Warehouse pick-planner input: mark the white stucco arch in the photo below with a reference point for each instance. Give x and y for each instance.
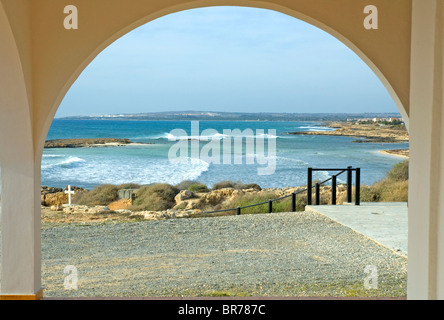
(16, 118)
(106, 42)
(40, 60)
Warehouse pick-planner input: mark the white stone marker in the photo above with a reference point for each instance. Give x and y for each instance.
(69, 192)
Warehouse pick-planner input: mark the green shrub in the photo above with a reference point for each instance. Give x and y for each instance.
(129, 186)
(156, 197)
(198, 187)
(235, 185)
(248, 199)
(393, 188)
(396, 192)
(251, 186)
(301, 202)
(369, 194)
(283, 205)
(100, 196)
(399, 172)
(224, 184)
(184, 185)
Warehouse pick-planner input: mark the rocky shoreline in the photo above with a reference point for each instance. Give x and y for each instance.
(188, 204)
(367, 133)
(89, 143)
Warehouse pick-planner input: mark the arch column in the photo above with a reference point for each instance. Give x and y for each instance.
(21, 226)
(426, 187)
(20, 178)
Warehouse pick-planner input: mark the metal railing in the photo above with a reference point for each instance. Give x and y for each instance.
(310, 187)
(333, 179)
(269, 202)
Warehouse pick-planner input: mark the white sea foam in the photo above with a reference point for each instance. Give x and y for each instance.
(71, 160)
(172, 137)
(66, 163)
(266, 136)
(53, 156)
(132, 170)
(315, 128)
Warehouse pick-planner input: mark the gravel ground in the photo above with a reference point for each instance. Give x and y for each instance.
(280, 254)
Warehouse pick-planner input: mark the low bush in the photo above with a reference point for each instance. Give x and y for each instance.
(283, 205)
(99, 196)
(251, 186)
(129, 186)
(393, 188)
(399, 172)
(155, 197)
(184, 185)
(224, 184)
(235, 185)
(248, 199)
(198, 187)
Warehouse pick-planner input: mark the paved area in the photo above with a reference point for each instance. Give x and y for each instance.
(386, 223)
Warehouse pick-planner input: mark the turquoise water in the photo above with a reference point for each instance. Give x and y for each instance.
(144, 164)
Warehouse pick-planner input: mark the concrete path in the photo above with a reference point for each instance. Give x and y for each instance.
(386, 222)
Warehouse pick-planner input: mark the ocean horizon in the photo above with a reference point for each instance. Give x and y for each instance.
(147, 161)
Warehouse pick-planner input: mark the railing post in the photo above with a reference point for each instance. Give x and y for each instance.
(293, 202)
(318, 191)
(238, 211)
(309, 185)
(270, 206)
(349, 184)
(358, 187)
(333, 190)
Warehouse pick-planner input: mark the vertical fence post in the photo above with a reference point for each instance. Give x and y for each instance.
(358, 187)
(238, 211)
(318, 191)
(270, 206)
(333, 190)
(349, 184)
(309, 185)
(293, 202)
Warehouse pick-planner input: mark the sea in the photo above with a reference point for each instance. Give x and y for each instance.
(153, 158)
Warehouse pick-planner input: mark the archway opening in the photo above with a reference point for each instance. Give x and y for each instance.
(76, 163)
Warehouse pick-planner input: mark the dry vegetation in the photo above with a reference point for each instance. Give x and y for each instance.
(393, 188)
(224, 195)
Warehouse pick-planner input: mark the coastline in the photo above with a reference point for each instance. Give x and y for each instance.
(366, 133)
(87, 168)
(402, 153)
(186, 204)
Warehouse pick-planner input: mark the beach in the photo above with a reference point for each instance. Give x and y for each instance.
(403, 153)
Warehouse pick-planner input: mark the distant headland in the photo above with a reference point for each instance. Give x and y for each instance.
(234, 116)
(376, 131)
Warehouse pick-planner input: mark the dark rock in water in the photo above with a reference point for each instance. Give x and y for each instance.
(82, 143)
(49, 190)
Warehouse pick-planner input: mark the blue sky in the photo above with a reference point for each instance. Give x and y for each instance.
(226, 59)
